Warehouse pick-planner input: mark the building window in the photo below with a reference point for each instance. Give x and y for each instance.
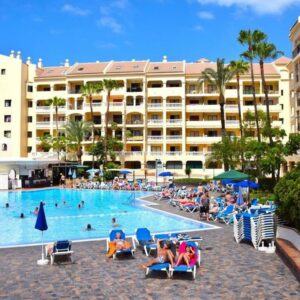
(282, 106)
(29, 149)
(29, 104)
(7, 118)
(4, 147)
(29, 134)
(7, 133)
(281, 92)
(281, 120)
(7, 103)
(29, 119)
(30, 88)
(3, 71)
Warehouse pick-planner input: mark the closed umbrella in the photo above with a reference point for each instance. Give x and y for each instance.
(74, 174)
(41, 224)
(70, 172)
(240, 199)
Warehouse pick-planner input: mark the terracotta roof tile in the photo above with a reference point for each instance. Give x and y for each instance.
(283, 60)
(166, 67)
(127, 67)
(51, 72)
(88, 68)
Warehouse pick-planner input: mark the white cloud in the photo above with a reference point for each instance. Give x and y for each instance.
(121, 4)
(75, 10)
(110, 23)
(205, 15)
(258, 6)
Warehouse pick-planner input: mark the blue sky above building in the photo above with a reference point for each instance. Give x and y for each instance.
(90, 30)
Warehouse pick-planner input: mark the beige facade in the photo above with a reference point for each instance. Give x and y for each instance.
(168, 114)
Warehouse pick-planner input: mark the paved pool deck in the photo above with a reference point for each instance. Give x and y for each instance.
(228, 271)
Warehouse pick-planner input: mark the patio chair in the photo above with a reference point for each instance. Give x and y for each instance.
(61, 249)
(112, 237)
(226, 215)
(192, 207)
(144, 239)
(165, 267)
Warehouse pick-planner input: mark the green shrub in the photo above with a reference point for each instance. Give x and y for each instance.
(266, 184)
(191, 181)
(287, 197)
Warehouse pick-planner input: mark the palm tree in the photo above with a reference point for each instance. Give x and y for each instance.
(108, 85)
(219, 78)
(56, 102)
(263, 51)
(75, 133)
(89, 90)
(239, 67)
(250, 39)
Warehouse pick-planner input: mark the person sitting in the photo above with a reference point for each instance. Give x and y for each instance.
(164, 254)
(117, 244)
(49, 249)
(185, 257)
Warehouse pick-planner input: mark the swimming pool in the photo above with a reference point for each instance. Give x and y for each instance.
(67, 221)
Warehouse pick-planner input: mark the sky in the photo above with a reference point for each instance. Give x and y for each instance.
(90, 30)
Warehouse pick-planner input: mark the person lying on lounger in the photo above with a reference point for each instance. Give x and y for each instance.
(117, 244)
(164, 254)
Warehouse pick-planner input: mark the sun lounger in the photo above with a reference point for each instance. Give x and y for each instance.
(144, 239)
(61, 249)
(165, 267)
(112, 237)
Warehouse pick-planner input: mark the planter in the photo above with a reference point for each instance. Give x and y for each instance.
(289, 234)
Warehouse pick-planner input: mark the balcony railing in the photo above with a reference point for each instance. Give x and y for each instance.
(40, 108)
(134, 122)
(135, 138)
(155, 121)
(173, 104)
(154, 104)
(174, 137)
(250, 92)
(73, 91)
(134, 153)
(155, 137)
(173, 153)
(155, 153)
(174, 121)
(134, 89)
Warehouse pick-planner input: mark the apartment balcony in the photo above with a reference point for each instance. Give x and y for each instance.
(132, 155)
(195, 154)
(119, 91)
(174, 138)
(211, 124)
(135, 108)
(276, 123)
(165, 91)
(138, 138)
(116, 106)
(276, 108)
(174, 106)
(155, 122)
(232, 124)
(231, 93)
(154, 154)
(155, 139)
(203, 139)
(194, 124)
(44, 155)
(210, 91)
(231, 108)
(135, 123)
(43, 109)
(173, 153)
(250, 92)
(154, 106)
(174, 122)
(47, 124)
(202, 108)
(74, 92)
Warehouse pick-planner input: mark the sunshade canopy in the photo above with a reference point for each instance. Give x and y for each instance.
(232, 175)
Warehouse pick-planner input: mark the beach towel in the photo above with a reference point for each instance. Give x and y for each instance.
(112, 248)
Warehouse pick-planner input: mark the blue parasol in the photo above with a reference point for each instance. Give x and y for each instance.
(247, 183)
(125, 172)
(166, 173)
(41, 224)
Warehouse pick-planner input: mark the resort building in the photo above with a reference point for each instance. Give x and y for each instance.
(160, 112)
(294, 69)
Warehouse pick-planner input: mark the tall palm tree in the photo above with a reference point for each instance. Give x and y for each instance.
(89, 90)
(75, 133)
(250, 39)
(264, 51)
(56, 102)
(219, 78)
(239, 67)
(108, 85)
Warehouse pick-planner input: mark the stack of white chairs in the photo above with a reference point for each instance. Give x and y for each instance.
(254, 228)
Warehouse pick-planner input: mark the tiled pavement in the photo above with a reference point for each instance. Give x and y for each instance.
(228, 271)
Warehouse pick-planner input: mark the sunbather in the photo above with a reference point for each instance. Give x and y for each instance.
(117, 244)
(164, 254)
(185, 256)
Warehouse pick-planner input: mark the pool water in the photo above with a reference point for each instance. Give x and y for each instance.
(67, 221)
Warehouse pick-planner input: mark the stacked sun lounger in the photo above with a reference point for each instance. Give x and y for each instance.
(254, 228)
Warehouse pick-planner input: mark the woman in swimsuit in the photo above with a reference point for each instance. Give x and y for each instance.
(120, 244)
(186, 256)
